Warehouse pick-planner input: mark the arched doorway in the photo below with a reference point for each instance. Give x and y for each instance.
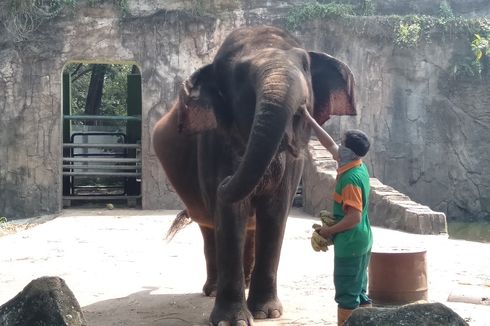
(101, 134)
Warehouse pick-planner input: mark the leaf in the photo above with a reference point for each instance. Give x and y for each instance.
(478, 54)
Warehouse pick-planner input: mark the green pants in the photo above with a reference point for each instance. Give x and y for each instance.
(350, 280)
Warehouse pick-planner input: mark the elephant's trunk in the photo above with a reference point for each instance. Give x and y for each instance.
(274, 109)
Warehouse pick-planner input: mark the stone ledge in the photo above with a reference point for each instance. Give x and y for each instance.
(388, 207)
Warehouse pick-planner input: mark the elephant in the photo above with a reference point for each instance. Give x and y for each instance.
(233, 147)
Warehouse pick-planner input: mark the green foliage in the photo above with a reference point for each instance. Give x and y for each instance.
(3, 219)
(411, 30)
(481, 49)
(407, 31)
(480, 46)
(367, 8)
(407, 34)
(467, 67)
(475, 66)
(114, 91)
(301, 14)
(445, 10)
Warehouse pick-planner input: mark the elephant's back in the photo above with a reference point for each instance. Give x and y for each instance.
(246, 41)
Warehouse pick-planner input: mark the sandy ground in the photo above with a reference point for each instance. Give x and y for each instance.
(123, 271)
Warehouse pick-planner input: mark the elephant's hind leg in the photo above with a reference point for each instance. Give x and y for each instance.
(177, 153)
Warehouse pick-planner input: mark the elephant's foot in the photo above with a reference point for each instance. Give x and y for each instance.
(209, 288)
(230, 314)
(264, 309)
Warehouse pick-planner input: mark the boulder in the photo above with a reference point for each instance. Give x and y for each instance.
(46, 301)
(433, 314)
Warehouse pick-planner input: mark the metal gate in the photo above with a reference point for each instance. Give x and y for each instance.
(103, 165)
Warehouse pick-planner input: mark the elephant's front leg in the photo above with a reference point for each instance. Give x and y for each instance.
(230, 306)
(209, 288)
(249, 257)
(270, 225)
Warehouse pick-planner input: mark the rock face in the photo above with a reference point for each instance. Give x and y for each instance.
(44, 301)
(467, 8)
(429, 132)
(387, 207)
(433, 314)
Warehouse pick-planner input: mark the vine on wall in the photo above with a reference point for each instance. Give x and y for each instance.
(481, 49)
(301, 14)
(22, 17)
(410, 30)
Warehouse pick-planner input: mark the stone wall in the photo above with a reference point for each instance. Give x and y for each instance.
(429, 133)
(167, 40)
(468, 8)
(387, 207)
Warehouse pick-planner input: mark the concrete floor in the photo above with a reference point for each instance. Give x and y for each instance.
(123, 271)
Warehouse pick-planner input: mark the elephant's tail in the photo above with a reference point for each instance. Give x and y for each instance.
(181, 221)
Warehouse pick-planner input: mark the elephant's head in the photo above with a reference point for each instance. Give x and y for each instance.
(254, 89)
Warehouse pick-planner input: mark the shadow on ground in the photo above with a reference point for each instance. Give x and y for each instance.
(151, 308)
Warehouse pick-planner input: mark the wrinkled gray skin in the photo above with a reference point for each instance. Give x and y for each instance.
(232, 146)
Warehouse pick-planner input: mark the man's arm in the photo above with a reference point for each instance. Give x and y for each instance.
(322, 135)
(351, 218)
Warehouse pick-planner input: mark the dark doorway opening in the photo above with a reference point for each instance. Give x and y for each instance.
(101, 134)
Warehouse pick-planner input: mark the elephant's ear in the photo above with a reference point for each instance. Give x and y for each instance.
(198, 96)
(333, 87)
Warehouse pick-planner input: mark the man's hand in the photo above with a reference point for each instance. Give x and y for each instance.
(324, 231)
(325, 139)
(319, 243)
(350, 220)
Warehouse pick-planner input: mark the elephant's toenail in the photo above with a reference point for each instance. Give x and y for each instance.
(224, 323)
(260, 315)
(241, 323)
(275, 314)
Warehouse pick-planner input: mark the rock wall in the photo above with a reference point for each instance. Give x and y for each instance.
(468, 8)
(168, 41)
(429, 134)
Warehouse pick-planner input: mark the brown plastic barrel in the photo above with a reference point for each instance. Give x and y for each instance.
(398, 276)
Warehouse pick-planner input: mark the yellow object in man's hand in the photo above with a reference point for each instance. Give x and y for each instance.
(318, 243)
(327, 218)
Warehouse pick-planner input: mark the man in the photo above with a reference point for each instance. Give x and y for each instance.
(351, 232)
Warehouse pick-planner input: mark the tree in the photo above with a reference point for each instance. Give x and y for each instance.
(95, 90)
(99, 89)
